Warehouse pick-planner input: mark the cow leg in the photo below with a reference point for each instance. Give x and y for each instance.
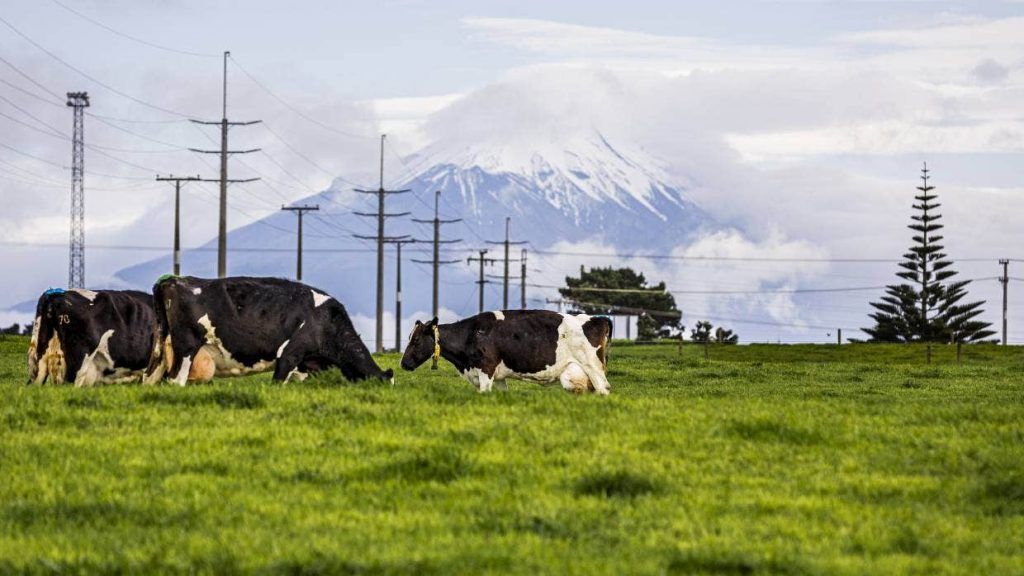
(500, 384)
(574, 379)
(486, 382)
(158, 359)
(598, 379)
(290, 357)
(94, 364)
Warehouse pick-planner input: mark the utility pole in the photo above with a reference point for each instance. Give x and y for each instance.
(398, 289)
(1005, 280)
(507, 243)
(436, 262)
(78, 101)
(300, 210)
(222, 230)
(482, 259)
(177, 215)
(380, 215)
(522, 280)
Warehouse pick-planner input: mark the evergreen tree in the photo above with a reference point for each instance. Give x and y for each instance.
(928, 308)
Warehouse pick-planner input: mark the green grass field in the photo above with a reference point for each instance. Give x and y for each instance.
(765, 459)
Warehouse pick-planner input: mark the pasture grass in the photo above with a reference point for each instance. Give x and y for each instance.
(764, 460)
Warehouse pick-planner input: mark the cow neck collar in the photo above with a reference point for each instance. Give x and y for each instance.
(452, 341)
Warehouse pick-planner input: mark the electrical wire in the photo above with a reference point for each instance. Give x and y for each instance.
(133, 38)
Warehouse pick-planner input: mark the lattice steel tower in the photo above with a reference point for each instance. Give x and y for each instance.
(76, 261)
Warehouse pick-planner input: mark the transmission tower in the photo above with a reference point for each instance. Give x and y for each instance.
(78, 101)
(380, 215)
(222, 231)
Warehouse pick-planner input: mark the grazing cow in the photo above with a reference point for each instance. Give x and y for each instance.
(233, 326)
(536, 345)
(86, 336)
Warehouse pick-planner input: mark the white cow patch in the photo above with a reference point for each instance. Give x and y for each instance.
(33, 355)
(319, 298)
(300, 376)
(197, 291)
(280, 350)
(301, 325)
(87, 294)
(94, 364)
(186, 366)
(52, 363)
(225, 364)
(165, 352)
(498, 315)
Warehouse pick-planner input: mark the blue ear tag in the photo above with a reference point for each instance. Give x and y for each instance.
(52, 291)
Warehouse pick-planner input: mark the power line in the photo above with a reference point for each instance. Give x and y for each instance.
(85, 75)
(737, 258)
(130, 37)
(144, 248)
(295, 110)
(24, 75)
(735, 292)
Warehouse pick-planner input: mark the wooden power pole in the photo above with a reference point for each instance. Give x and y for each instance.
(522, 280)
(507, 243)
(482, 259)
(299, 211)
(222, 229)
(380, 238)
(437, 262)
(1005, 281)
(398, 289)
(176, 266)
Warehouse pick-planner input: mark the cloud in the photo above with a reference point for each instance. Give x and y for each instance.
(988, 71)
(693, 281)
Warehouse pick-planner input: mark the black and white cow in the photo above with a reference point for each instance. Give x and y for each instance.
(89, 337)
(233, 326)
(536, 345)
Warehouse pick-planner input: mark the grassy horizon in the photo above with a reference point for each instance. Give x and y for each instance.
(765, 459)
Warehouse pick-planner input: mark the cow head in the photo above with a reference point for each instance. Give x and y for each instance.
(421, 345)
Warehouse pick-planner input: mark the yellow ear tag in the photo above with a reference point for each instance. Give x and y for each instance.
(437, 343)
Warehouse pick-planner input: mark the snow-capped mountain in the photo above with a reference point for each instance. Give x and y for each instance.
(581, 188)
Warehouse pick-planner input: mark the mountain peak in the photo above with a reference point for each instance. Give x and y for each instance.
(568, 170)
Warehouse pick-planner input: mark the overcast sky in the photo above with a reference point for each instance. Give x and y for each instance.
(803, 124)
